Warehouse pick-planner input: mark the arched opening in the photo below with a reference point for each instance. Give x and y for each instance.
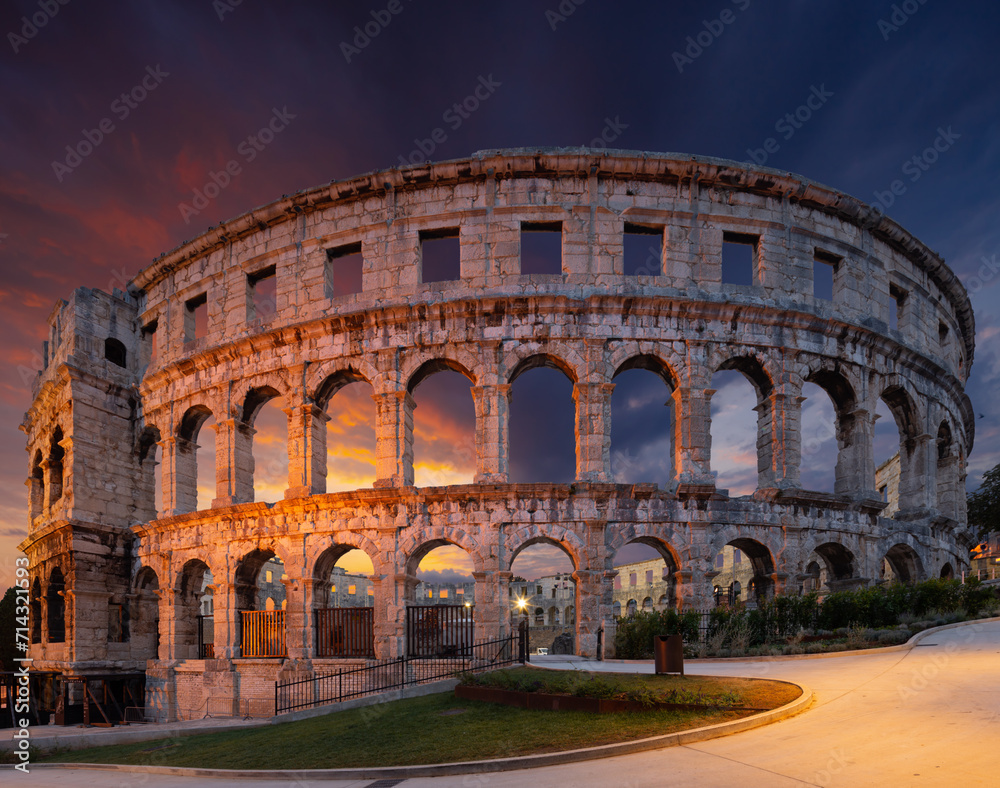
(151, 473)
(56, 455)
(194, 624)
(646, 568)
(734, 432)
(266, 423)
(55, 603)
(647, 605)
(819, 440)
(894, 444)
(36, 611)
(947, 572)
(444, 425)
(643, 423)
(37, 482)
(257, 580)
(195, 477)
(616, 609)
(542, 577)
(440, 616)
(350, 431)
(814, 577)
(114, 351)
(343, 600)
(631, 606)
(744, 572)
(144, 622)
(542, 422)
(835, 564)
(902, 565)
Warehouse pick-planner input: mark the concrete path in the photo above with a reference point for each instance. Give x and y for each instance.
(925, 717)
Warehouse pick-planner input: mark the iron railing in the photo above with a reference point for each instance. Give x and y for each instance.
(206, 637)
(439, 630)
(345, 632)
(262, 633)
(385, 675)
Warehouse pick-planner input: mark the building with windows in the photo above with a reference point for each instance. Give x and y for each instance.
(544, 261)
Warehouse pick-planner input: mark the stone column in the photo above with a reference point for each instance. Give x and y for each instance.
(589, 595)
(234, 463)
(309, 587)
(393, 439)
(779, 442)
(593, 431)
(492, 607)
(306, 450)
(855, 472)
(693, 437)
(299, 635)
(492, 433)
(386, 616)
(403, 587)
(226, 620)
(694, 585)
(174, 500)
(917, 475)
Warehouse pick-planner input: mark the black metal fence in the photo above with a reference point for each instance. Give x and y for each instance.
(439, 630)
(345, 632)
(206, 637)
(392, 674)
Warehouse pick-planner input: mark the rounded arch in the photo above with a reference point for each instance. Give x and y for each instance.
(651, 363)
(245, 578)
(903, 406)
(562, 538)
(255, 399)
(428, 367)
(947, 571)
(945, 441)
(146, 579)
(836, 384)
(634, 535)
(760, 555)
(324, 556)
(192, 421)
(334, 382)
(147, 442)
(840, 562)
(252, 392)
(561, 359)
(904, 563)
(755, 368)
(419, 546)
(191, 577)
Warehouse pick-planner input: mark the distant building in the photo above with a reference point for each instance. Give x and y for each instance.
(550, 601)
(887, 484)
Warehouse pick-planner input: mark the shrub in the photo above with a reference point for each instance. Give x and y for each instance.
(634, 634)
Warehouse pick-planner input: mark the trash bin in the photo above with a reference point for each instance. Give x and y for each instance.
(668, 654)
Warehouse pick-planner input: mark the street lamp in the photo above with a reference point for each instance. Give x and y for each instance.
(522, 605)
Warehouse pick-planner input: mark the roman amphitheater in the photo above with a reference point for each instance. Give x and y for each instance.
(117, 583)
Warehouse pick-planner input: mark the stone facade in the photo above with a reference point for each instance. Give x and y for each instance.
(132, 377)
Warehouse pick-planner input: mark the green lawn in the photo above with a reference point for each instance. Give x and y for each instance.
(432, 729)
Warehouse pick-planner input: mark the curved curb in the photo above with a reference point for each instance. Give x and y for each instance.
(704, 733)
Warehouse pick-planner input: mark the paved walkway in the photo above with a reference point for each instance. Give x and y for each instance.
(926, 717)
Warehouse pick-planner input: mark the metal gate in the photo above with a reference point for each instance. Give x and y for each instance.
(345, 632)
(439, 630)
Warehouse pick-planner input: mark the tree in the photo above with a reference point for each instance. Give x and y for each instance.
(984, 504)
(8, 609)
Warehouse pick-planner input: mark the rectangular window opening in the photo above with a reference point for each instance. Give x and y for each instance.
(643, 250)
(824, 274)
(440, 255)
(739, 258)
(541, 248)
(344, 265)
(942, 335)
(149, 341)
(897, 300)
(649, 576)
(352, 590)
(444, 593)
(196, 318)
(263, 304)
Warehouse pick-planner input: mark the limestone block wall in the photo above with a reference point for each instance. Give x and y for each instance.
(898, 328)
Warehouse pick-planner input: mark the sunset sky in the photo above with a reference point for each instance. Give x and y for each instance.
(160, 95)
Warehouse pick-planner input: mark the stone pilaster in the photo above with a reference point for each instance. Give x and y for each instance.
(393, 439)
(779, 443)
(234, 463)
(306, 450)
(693, 437)
(593, 431)
(855, 475)
(589, 596)
(492, 433)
